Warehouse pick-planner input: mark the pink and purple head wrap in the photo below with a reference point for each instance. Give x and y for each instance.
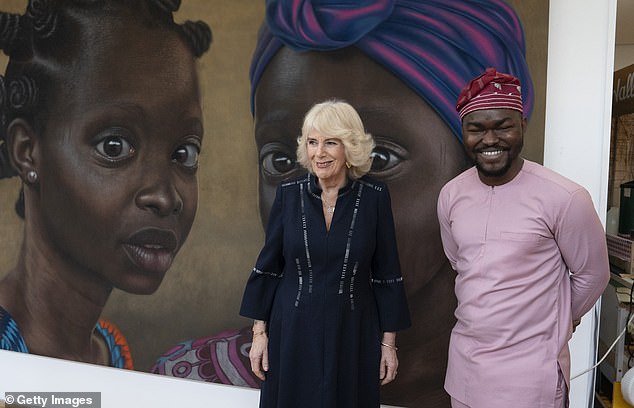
(434, 46)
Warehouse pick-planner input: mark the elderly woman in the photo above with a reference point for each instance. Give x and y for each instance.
(326, 292)
(105, 139)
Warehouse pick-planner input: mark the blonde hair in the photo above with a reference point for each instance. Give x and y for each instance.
(339, 120)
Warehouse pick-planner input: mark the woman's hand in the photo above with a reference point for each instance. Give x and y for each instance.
(259, 353)
(389, 361)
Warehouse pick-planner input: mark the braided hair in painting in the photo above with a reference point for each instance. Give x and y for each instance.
(42, 45)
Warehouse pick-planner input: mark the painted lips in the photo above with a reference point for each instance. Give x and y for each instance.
(152, 250)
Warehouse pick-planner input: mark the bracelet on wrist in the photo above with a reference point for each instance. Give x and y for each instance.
(390, 346)
(258, 333)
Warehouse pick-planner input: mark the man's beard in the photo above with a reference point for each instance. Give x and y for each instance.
(494, 173)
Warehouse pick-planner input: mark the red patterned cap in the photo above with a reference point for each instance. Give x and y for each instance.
(491, 90)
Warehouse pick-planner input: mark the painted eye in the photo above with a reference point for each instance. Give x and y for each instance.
(115, 148)
(187, 155)
(277, 163)
(383, 159)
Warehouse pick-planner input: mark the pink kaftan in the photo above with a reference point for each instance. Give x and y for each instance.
(530, 257)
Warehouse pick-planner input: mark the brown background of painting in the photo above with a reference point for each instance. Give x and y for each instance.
(202, 291)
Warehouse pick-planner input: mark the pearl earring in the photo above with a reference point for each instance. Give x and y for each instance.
(31, 177)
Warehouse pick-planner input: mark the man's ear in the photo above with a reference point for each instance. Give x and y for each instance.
(22, 144)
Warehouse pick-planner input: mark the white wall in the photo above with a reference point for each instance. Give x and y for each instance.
(577, 139)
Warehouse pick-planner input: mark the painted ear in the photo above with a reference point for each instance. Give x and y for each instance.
(21, 147)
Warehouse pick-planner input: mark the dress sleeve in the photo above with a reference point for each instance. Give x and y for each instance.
(449, 245)
(265, 276)
(387, 281)
(581, 240)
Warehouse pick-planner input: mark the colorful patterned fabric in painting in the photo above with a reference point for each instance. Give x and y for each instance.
(10, 337)
(120, 356)
(223, 358)
(434, 46)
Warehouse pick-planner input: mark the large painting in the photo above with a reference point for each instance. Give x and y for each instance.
(200, 294)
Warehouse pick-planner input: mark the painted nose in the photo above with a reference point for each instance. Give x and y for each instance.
(161, 197)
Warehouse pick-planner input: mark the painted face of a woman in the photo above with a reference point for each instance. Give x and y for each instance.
(415, 152)
(117, 160)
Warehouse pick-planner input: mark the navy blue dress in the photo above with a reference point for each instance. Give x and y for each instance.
(327, 295)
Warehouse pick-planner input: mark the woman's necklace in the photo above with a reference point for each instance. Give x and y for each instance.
(330, 208)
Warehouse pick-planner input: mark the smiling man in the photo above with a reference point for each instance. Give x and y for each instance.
(530, 256)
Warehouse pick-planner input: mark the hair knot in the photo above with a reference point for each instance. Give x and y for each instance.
(44, 17)
(22, 93)
(9, 29)
(168, 6)
(199, 35)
